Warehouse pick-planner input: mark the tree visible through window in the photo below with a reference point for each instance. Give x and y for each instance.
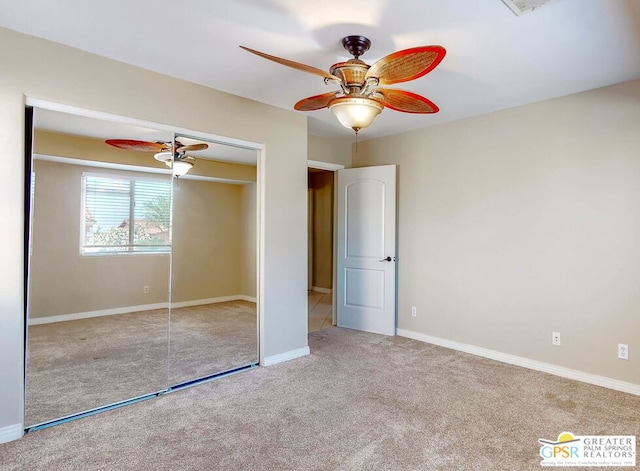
(125, 214)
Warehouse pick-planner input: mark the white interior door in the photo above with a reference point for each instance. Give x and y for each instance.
(366, 268)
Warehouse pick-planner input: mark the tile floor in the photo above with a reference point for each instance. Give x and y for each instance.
(320, 310)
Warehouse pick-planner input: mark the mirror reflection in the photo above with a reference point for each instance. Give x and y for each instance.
(213, 282)
(138, 281)
(99, 270)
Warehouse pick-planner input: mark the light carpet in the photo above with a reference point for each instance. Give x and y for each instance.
(359, 402)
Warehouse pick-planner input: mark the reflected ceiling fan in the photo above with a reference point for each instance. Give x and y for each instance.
(362, 95)
(171, 154)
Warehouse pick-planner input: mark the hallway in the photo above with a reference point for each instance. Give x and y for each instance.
(319, 311)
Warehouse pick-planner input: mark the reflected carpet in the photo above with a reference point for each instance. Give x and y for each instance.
(78, 365)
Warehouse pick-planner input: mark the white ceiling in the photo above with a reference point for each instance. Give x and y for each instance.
(495, 59)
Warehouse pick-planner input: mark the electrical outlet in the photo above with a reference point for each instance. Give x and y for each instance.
(623, 351)
(555, 339)
(145, 290)
(413, 311)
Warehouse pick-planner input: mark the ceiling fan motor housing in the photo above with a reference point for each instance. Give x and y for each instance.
(351, 73)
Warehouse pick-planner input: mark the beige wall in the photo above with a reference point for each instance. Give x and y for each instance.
(334, 151)
(248, 280)
(207, 240)
(322, 185)
(523, 222)
(45, 70)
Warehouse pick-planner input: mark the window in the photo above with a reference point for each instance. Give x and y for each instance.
(123, 214)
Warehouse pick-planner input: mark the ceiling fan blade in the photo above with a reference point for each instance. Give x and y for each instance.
(293, 64)
(131, 144)
(316, 102)
(405, 65)
(407, 102)
(190, 147)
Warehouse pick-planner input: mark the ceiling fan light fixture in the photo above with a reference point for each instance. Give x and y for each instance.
(180, 167)
(163, 156)
(362, 85)
(175, 159)
(355, 112)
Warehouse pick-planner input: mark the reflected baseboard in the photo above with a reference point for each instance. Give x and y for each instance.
(139, 308)
(321, 290)
(221, 299)
(102, 312)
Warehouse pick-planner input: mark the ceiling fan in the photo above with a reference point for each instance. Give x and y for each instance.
(362, 96)
(171, 154)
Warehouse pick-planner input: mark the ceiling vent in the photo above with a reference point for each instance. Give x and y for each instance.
(520, 7)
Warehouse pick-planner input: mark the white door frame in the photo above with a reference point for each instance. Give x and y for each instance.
(310, 238)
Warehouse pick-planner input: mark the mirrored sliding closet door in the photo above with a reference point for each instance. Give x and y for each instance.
(213, 326)
(100, 244)
(142, 263)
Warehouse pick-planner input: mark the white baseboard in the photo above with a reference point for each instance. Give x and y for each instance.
(250, 299)
(130, 309)
(321, 290)
(10, 433)
(220, 299)
(561, 371)
(286, 356)
(100, 313)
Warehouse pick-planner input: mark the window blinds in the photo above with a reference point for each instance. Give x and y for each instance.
(125, 214)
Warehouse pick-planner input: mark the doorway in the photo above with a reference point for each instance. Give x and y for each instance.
(321, 226)
(363, 258)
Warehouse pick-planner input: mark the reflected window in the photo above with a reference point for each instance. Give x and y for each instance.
(123, 214)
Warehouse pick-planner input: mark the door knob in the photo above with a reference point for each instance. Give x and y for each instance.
(388, 259)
